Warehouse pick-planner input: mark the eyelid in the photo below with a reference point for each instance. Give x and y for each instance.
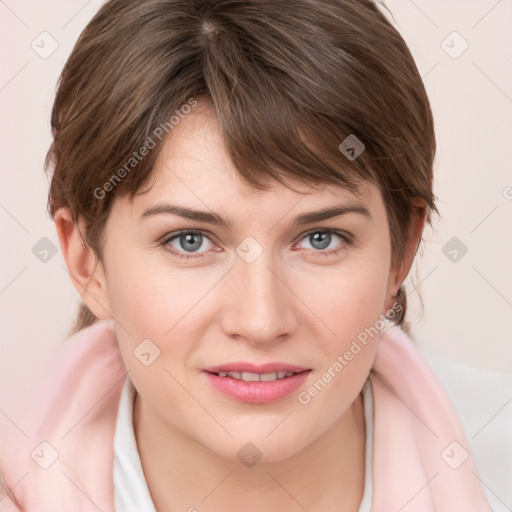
(168, 237)
(347, 239)
(341, 233)
(173, 234)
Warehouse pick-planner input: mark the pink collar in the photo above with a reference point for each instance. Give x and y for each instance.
(59, 456)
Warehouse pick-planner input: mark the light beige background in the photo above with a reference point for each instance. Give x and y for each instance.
(468, 303)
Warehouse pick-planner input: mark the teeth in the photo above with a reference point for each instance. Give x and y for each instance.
(256, 377)
(265, 377)
(250, 377)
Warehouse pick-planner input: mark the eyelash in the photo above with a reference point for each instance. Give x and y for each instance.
(346, 242)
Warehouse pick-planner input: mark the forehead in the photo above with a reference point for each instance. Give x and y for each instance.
(194, 165)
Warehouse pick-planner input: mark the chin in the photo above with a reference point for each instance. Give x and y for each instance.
(251, 448)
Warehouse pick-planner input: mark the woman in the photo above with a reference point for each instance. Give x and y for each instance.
(239, 190)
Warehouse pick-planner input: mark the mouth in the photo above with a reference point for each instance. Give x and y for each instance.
(257, 377)
(248, 383)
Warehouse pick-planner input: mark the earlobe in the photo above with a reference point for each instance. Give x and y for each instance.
(86, 271)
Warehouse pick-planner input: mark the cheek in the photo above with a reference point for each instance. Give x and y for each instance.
(151, 323)
(151, 297)
(164, 305)
(348, 304)
(349, 298)
(349, 308)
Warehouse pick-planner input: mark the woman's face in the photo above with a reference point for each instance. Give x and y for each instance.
(261, 278)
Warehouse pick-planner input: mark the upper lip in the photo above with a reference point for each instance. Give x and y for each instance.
(242, 366)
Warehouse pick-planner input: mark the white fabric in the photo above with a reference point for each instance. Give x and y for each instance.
(366, 502)
(483, 400)
(131, 493)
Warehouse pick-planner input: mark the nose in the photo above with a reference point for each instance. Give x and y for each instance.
(259, 306)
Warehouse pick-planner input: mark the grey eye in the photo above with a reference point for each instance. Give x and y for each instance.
(190, 241)
(320, 239)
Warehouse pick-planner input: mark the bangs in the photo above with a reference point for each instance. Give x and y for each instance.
(288, 89)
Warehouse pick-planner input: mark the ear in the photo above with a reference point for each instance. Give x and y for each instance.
(398, 274)
(86, 271)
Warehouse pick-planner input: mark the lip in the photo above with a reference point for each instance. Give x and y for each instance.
(242, 366)
(257, 392)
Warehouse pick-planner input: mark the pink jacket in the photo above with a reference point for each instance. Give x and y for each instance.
(59, 456)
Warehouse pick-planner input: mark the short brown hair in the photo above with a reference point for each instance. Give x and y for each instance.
(289, 81)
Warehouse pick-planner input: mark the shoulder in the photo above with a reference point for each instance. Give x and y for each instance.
(481, 397)
(8, 502)
(418, 434)
(69, 426)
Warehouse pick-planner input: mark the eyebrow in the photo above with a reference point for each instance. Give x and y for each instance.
(217, 220)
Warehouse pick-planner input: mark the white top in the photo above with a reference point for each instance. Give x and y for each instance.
(131, 493)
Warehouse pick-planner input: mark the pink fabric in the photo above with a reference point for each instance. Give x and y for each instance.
(77, 407)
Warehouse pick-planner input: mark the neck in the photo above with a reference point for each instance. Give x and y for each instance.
(181, 474)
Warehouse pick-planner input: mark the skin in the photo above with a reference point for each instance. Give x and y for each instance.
(292, 304)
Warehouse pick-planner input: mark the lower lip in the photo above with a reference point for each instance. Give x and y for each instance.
(257, 392)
